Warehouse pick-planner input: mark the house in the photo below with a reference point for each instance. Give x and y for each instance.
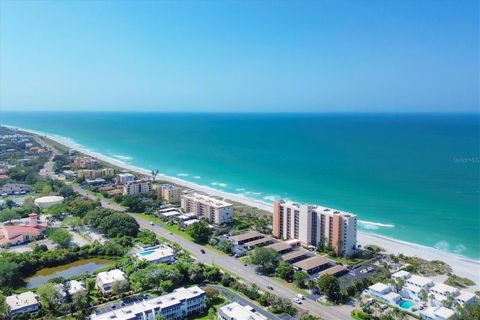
(74, 287)
(159, 254)
(105, 280)
(312, 265)
(384, 293)
(22, 303)
(436, 313)
(11, 235)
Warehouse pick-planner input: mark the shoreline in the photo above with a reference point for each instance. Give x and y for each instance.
(461, 265)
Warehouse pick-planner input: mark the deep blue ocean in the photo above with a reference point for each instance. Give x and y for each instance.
(413, 177)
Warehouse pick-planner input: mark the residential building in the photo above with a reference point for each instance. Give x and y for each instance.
(384, 293)
(11, 235)
(21, 303)
(417, 288)
(105, 280)
(179, 304)
(315, 225)
(74, 287)
(235, 311)
(313, 265)
(85, 163)
(95, 173)
(169, 193)
(159, 253)
(214, 210)
(137, 187)
(436, 313)
(124, 178)
(242, 238)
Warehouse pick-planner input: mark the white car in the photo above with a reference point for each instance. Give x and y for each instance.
(296, 300)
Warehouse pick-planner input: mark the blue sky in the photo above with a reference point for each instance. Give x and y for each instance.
(312, 56)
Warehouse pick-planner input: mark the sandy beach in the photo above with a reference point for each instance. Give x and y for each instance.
(461, 266)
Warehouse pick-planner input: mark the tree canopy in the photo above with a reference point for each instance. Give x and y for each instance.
(265, 258)
(200, 231)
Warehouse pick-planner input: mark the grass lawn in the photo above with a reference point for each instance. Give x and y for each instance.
(291, 285)
(346, 261)
(174, 229)
(219, 302)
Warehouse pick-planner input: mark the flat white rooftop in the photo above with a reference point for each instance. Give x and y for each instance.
(156, 253)
(189, 222)
(380, 287)
(207, 200)
(128, 312)
(317, 208)
(419, 280)
(111, 276)
(238, 312)
(22, 300)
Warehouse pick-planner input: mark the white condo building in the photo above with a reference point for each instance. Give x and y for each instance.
(313, 225)
(214, 210)
(179, 304)
(137, 187)
(235, 311)
(123, 178)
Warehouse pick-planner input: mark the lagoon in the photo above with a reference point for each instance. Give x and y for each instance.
(67, 271)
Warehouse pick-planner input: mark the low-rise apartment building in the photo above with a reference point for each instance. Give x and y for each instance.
(105, 280)
(22, 303)
(315, 225)
(214, 210)
(179, 304)
(235, 311)
(95, 173)
(169, 193)
(137, 187)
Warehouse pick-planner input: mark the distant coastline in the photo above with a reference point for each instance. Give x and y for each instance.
(461, 265)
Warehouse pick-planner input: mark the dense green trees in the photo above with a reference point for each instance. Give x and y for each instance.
(3, 307)
(112, 223)
(200, 231)
(60, 236)
(265, 258)
(9, 215)
(329, 285)
(9, 274)
(299, 278)
(49, 298)
(285, 271)
(225, 246)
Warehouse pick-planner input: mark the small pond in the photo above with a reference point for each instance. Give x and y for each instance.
(67, 271)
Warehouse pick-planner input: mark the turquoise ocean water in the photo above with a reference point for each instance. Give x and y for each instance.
(410, 177)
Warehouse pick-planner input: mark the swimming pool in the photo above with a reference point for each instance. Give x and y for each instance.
(146, 253)
(406, 304)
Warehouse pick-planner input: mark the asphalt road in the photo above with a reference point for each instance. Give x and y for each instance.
(234, 266)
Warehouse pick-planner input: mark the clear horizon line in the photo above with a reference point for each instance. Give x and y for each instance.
(241, 112)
